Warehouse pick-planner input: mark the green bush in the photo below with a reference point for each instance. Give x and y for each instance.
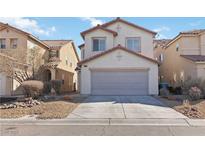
(33, 88)
(56, 85)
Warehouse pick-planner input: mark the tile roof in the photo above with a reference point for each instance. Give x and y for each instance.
(195, 31)
(98, 27)
(113, 49)
(56, 44)
(3, 26)
(105, 25)
(195, 58)
(162, 42)
(118, 19)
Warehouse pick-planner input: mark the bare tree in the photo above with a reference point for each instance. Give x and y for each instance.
(34, 60)
(14, 69)
(19, 71)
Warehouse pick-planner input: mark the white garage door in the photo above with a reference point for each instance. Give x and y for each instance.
(123, 82)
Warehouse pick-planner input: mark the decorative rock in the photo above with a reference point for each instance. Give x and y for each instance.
(25, 102)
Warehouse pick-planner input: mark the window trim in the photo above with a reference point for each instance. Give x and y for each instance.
(102, 38)
(1, 44)
(139, 38)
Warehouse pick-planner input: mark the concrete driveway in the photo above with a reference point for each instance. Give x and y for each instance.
(123, 107)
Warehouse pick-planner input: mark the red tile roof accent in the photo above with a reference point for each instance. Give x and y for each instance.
(57, 44)
(128, 23)
(195, 58)
(98, 27)
(113, 49)
(195, 31)
(103, 27)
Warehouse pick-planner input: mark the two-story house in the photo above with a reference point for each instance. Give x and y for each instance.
(118, 59)
(53, 60)
(182, 58)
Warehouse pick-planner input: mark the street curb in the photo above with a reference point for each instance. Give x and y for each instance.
(134, 122)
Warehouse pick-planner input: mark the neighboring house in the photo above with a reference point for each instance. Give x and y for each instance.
(65, 52)
(118, 59)
(22, 46)
(182, 58)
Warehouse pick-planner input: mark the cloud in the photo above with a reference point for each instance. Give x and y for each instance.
(197, 23)
(93, 21)
(160, 31)
(28, 25)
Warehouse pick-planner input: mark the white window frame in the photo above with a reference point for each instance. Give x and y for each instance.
(133, 38)
(1, 43)
(98, 38)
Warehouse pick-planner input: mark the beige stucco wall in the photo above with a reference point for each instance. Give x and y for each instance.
(202, 43)
(201, 70)
(129, 31)
(67, 53)
(123, 31)
(190, 45)
(175, 68)
(128, 61)
(98, 33)
(20, 51)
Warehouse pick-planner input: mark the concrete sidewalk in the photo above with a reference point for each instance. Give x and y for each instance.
(107, 122)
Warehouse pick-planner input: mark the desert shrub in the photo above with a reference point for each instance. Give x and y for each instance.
(56, 85)
(187, 84)
(164, 92)
(47, 87)
(32, 88)
(195, 93)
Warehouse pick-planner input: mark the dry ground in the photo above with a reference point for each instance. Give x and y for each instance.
(192, 109)
(47, 110)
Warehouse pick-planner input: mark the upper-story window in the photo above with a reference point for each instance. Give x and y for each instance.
(13, 43)
(2, 43)
(133, 43)
(99, 44)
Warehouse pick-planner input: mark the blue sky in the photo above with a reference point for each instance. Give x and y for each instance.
(70, 28)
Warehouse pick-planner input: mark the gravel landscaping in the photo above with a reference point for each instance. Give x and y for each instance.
(194, 109)
(44, 110)
(191, 109)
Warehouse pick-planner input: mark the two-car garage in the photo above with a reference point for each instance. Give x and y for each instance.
(106, 74)
(119, 82)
